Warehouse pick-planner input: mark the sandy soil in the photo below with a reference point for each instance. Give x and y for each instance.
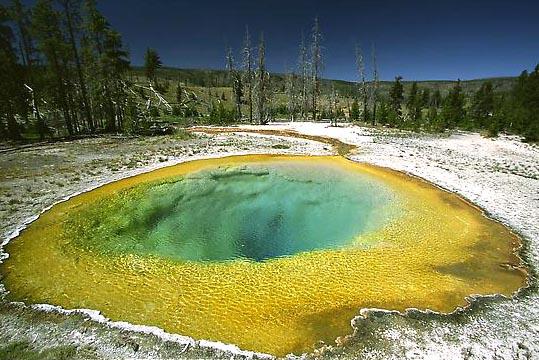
(501, 175)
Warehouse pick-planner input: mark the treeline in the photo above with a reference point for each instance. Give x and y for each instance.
(252, 85)
(515, 111)
(64, 71)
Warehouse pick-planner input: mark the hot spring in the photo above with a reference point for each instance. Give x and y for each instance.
(274, 254)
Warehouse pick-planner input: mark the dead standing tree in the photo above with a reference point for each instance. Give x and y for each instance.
(362, 82)
(303, 67)
(237, 86)
(291, 95)
(316, 65)
(262, 83)
(375, 85)
(248, 77)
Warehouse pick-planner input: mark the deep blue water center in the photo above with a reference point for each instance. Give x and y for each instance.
(255, 212)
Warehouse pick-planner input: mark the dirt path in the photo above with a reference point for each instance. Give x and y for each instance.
(340, 147)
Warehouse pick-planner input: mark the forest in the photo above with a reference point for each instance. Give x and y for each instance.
(67, 73)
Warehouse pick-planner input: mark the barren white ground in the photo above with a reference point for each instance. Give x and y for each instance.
(501, 175)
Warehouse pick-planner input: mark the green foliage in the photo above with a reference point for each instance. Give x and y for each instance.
(396, 97)
(152, 62)
(12, 96)
(414, 105)
(65, 71)
(482, 108)
(453, 112)
(524, 100)
(354, 111)
(154, 112)
(24, 351)
(384, 113)
(220, 115)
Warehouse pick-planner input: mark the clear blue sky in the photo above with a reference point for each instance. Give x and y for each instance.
(419, 40)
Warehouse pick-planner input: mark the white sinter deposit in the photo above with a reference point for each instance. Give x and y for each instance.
(501, 175)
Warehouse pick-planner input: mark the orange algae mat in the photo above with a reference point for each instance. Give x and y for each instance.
(439, 250)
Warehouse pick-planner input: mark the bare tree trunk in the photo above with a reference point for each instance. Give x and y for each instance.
(82, 82)
(248, 71)
(362, 78)
(304, 74)
(375, 79)
(316, 65)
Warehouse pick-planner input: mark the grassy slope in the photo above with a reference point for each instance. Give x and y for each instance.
(215, 84)
(218, 78)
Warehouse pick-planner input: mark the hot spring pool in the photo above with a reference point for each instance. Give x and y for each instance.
(272, 253)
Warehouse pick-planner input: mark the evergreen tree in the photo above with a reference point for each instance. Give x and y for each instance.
(12, 96)
(524, 103)
(383, 113)
(46, 28)
(425, 98)
(436, 99)
(152, 62)
(483, 105)
(72, 19)
(29, 56)
(453, 112)
(413, 104)
(432, 118)
(396, 97)
(354, 111)
(108, 62)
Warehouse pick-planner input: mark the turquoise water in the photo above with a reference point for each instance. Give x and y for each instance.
(254, 212)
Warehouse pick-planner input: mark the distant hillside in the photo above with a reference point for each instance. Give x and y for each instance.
(218, 78)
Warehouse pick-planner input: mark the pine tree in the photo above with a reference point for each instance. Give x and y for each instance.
(396, 97)
(71, 14)
(524, 105)
(436, 99)
(22, 18)
(453, 112)
(12, 96)
(46, 28)
(425, 98)
(107, 60)
(483, 105)
(152, 62)
(413, 104)
(354, 111)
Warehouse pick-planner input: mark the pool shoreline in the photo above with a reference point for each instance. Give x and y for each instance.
(363, 312)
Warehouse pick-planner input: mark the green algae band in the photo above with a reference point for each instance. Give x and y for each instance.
(251, 212)
(274, 254)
